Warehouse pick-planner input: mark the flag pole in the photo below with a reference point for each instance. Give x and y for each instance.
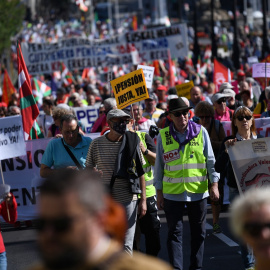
(2, 175)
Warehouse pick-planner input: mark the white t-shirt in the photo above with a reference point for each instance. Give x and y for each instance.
(45, 121)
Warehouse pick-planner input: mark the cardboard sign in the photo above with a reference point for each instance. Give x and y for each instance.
(183, 90)
(148, 74)
(129, 88)
(258, 70)
(12, 142)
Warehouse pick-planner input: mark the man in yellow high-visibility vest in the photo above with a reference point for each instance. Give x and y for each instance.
(184, 161)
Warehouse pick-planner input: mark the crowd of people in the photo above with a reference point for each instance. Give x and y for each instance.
(166, 152)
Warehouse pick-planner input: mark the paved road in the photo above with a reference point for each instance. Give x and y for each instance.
(221, 250)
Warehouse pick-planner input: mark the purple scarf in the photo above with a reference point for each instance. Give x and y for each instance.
(193, 130)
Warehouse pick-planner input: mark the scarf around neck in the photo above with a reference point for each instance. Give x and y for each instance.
(193, 130)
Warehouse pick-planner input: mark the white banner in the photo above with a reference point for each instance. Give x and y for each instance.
(87, 115)
(251, 163)
(22, 174)
(11, 137)
(78, 53)
(258, 70)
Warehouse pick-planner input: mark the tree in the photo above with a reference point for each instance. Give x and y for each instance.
(11, 16)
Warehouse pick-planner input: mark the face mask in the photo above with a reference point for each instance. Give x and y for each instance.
(120, 127)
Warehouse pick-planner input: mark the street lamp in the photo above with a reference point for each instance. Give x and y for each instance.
(213, 36)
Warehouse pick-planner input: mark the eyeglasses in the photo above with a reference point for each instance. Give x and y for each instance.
(71, 132)
(101, 112)
(177, 114)
(205, 117)
(254, 229)
(59, 225)
(221, 100)
(241, 118)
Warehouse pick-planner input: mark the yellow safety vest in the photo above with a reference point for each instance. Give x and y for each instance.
(149, 187)
(183, 171)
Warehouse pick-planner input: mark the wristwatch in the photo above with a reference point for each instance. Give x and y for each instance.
(145, 152)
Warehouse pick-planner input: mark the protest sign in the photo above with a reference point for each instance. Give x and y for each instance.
(148, 74)
(129, 88)
(11, 137)
(251, 163)
(253, 60)
(183, 90)
(79, 53)
(258, 70)
(87, 115)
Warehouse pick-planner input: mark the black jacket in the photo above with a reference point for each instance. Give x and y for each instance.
(128, 164)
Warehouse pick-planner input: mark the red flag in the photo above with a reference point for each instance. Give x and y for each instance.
(8, 88)
(221, 74)
(156, 65)
(134, 23)
(28, 104)
(171, 70)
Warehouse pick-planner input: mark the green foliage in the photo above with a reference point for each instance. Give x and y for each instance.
(11, 16)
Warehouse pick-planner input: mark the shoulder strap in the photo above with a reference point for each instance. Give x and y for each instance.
(72, 155)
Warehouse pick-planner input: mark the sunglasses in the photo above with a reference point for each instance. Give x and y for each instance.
(255, 229)
(59, 225)
(177, 114)
(205, 117)
(241, 118)
(221, 100)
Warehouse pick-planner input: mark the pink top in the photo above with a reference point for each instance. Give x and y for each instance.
(225, 116)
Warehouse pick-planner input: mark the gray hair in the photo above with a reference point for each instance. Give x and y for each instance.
(241, 207)
(86, 184)
(109, 104)
(137, 104)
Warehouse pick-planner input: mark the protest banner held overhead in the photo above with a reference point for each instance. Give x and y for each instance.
(183, 90)
(251, 163)
(79, 53)
(148, 74)
(129, 89)
(12, 142)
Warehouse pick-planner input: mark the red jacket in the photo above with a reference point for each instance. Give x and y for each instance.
(13, 217)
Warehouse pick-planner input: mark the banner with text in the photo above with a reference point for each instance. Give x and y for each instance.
(11, 137)
(22, 174)
(251, 163)
(79, 53)
(87, 115)
(148, 74)
(129, 88)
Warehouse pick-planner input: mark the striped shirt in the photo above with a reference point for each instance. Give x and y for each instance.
(102, 154)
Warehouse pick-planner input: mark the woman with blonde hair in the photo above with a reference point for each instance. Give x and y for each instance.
(243, 128)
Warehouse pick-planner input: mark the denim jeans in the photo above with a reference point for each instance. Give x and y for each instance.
(131, 211)
(246, 251)
(174, 211)
(3, 261)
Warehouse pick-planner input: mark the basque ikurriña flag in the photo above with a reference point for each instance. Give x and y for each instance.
(28, 104)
